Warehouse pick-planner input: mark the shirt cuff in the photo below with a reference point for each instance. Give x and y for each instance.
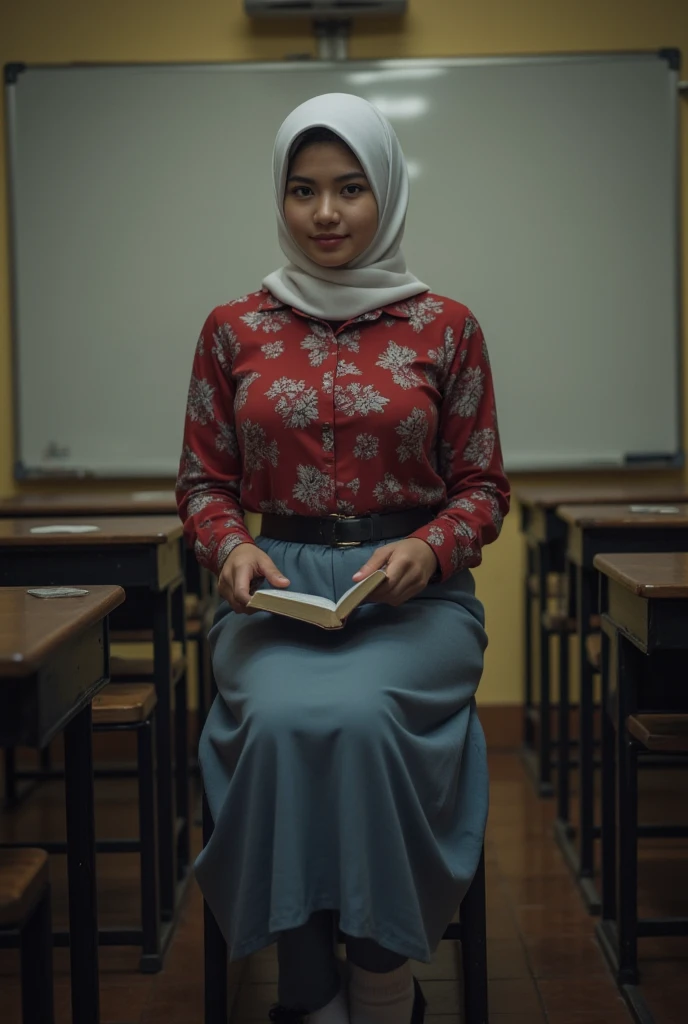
(440, 536)
(228, 544)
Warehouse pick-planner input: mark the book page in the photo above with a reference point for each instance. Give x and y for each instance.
(285, 595)
(354, 595)
(306, 611)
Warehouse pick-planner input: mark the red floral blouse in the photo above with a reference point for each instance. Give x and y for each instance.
(392, 410)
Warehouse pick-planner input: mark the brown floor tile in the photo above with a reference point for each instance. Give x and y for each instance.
(566, 997)
(506, 958)
(515, 995)
(442, 996)
(556, 957)
(541, 940)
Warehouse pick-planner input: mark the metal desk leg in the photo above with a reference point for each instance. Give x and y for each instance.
(181, 741)
(162, 669)
(606, 927)
(545, 744)
(563, 738)
(528, 654)
(587, 604)
(81, 866)
(609, 690)
(626, 819)
(215, 949)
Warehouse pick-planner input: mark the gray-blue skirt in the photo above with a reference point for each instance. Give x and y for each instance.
(345, 770)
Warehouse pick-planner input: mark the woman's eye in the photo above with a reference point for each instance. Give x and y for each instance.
(301, 191)
(353, 190)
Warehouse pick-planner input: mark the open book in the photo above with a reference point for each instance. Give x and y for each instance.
(317, 610)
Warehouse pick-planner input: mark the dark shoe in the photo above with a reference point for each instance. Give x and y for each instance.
(282, 1015)
(419, 1003)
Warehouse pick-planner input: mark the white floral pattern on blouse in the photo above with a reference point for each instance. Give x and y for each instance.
(291, 415)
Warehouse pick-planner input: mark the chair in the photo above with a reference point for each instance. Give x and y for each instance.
(125, 707)
(620, 926)
(470, 931)
(25, 908)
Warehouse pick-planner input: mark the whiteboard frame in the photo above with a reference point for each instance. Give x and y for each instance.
(671, 56)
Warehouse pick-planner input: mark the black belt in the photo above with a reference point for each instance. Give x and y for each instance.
(344, 531)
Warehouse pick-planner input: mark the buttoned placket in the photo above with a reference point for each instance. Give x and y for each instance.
(328, 425)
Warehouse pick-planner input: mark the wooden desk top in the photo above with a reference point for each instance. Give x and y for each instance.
(77, 503)
(588, 517)
(112, 530)
(552, 495)
(648, 575)
(32, 629)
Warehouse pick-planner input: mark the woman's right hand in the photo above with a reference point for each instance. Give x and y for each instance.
(244, 564)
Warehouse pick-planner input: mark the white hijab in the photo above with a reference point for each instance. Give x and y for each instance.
(378, 277)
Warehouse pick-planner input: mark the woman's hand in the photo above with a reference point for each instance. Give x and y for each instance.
(409, 565)
(243, 565)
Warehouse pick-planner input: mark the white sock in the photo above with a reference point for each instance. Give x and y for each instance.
(336, 1011)
(381, 998)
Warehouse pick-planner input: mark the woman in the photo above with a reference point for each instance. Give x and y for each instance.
(345, 771)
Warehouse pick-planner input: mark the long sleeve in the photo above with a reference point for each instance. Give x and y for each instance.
(209, 478)
(469, 456)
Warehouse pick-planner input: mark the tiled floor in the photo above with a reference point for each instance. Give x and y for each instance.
(543, 960)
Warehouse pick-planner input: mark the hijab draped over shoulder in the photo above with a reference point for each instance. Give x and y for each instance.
(379, 276)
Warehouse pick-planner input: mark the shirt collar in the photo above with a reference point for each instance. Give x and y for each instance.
(400, 310)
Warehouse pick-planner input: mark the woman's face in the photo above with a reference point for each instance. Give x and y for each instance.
(329, 206)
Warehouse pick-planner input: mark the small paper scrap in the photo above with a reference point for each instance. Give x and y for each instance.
(57, 592)
(65, 529)
(656, 509)
(153, 496)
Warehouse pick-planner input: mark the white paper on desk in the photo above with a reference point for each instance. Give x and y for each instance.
(656, 509)
(57, 592)
(65, 529)
(152, 496)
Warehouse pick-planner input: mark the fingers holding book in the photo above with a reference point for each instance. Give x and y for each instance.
(409, 565)
(243, 571)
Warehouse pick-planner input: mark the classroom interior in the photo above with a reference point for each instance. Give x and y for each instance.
(583, 698)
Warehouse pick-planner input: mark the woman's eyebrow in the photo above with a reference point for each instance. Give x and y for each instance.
(342, 177)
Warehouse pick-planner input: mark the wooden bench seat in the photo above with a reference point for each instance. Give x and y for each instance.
(193, 608)
(665, 733)
(556, 585)
(122, 667)
(593, 648)
(556, 620)
(124, 703)
(23, 878)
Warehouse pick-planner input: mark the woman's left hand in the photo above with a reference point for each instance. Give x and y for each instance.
(409, 565)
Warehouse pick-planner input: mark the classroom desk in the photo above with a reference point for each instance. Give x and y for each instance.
(644, 605)
(144, 555)
(199, 581)
(594, 530)
(54, 659)
(107, 503)
(545, 536)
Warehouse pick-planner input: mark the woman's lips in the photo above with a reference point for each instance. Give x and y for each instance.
(331, 242)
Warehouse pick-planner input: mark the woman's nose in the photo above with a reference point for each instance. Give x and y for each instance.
(326, 211)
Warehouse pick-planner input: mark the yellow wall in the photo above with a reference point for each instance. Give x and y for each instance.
(174, 30)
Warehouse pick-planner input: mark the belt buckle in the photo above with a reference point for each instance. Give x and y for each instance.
(344, 543)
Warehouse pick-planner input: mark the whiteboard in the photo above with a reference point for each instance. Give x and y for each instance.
(544, 195)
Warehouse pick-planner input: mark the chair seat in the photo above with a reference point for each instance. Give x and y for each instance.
(134, 636)
(666, 733)
(193, 609)
(556, 584)
(557, 620)
(593, 647)
(139, 668)
(23, 877)
(124, 703)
